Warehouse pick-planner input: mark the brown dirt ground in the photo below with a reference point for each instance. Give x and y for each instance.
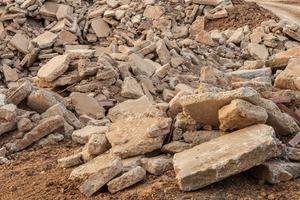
(244, 13)
(34, 175)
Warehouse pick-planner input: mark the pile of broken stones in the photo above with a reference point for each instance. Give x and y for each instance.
(144, 88)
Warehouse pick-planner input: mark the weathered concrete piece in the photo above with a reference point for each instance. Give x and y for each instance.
(100, 27)
(54, 68)
(127, 179)
(199, 137)
(131, 108)
(131, 88)
(157, 165)
(85, 104)
(240, 114)
(258, 51)
(277, 171)
(141, 66)
(281, 59)
(45, 40)
(97, 144)
(19, 94)
(224, 156)
(95, 165)
(40, 100)
(208, 2)
(20, 42)
(290, 77)
(101, 177)
(253, 73)
(136, 141)
(204, 107)
(45, 127)
(70, 161)
(83, 135)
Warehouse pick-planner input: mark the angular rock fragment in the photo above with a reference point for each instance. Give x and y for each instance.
(85, 104)
(83, 135)
(19, 94)
(290, 77)
(49, 9)
(135, 142)
(20, 42)
(281, 59)
(142, 66)
(277, 171)
(44, 128)
(40, 100)
(98, 163)
(97, 144)
(208, 2)
(199, 137)
(153, 12)
(204, 107)
(236, 152)
(240, 114)
(175, 147)
(131, 88)
(24, 124)
(7, 118)
(250, 74)
(258, 51)
(163, 52)
(10, 74)
(70, 161)
(54, 68)
(100, 27)
(45, 40)
(127, 179)
(131, 108)
(157, 165)
(103, 175)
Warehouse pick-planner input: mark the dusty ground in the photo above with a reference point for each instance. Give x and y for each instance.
(34, 175)
(243, 14)
(285, 9)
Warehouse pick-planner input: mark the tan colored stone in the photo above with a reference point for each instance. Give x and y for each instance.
(93, 166)
(157, 165)
(70, 161)
(54, 68)
(97, 144)
(83, 135)
(281, 59)
(41, 100)
(20, 42)
(87, 105)
(224, 156)
(64, 11)
(126, 180)
(130, 108)
(17, 95)
(175, 147)
(101, 177)
(45, 40)
(10, 74)
(101, 28)
(49, 9)
(153, 12)
(290, 77)
(199, 137)
(240, 114)
(163, 52)
(208, 2)
(136, 141)
(131, 88)
(258, 51)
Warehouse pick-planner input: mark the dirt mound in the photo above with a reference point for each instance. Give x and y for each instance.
(243, 13)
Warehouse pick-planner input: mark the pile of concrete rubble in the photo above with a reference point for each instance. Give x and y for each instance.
(144, 88)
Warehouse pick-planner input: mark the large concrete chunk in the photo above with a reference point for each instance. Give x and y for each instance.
(290, 77)
(204, 107)
(129, 137)
(41, 100)
(54, 68)
(45, 127)
(127, 179)
(100, 27)
(141, 66)
(93, 166)
(131, 88)
(101, 177)
(83, 135)
(224, 156)
(240, 114)
(131, 108)
(85, 104)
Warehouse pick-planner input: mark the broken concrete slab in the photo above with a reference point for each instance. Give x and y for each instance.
(127, 179)
(258, 51)
(83, 135)
(18, 94)
(54, 68)
(157, 165)
(97, 144)
(85, 104)
(70, 161)
(44, 128)
(101, 177)
(240, 114)
(281, 59)
(239, 151)
(45, 40)
(290, 77)
(100, 27)
(277, 171)
(41, 100)
(141, 66)
(20, 42)
(199, 137)
(131, 88)
(131, 108)
(136, 142)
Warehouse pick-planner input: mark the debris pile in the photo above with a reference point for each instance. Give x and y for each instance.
(143, 87)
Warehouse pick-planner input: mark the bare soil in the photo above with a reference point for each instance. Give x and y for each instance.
(34, 175)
